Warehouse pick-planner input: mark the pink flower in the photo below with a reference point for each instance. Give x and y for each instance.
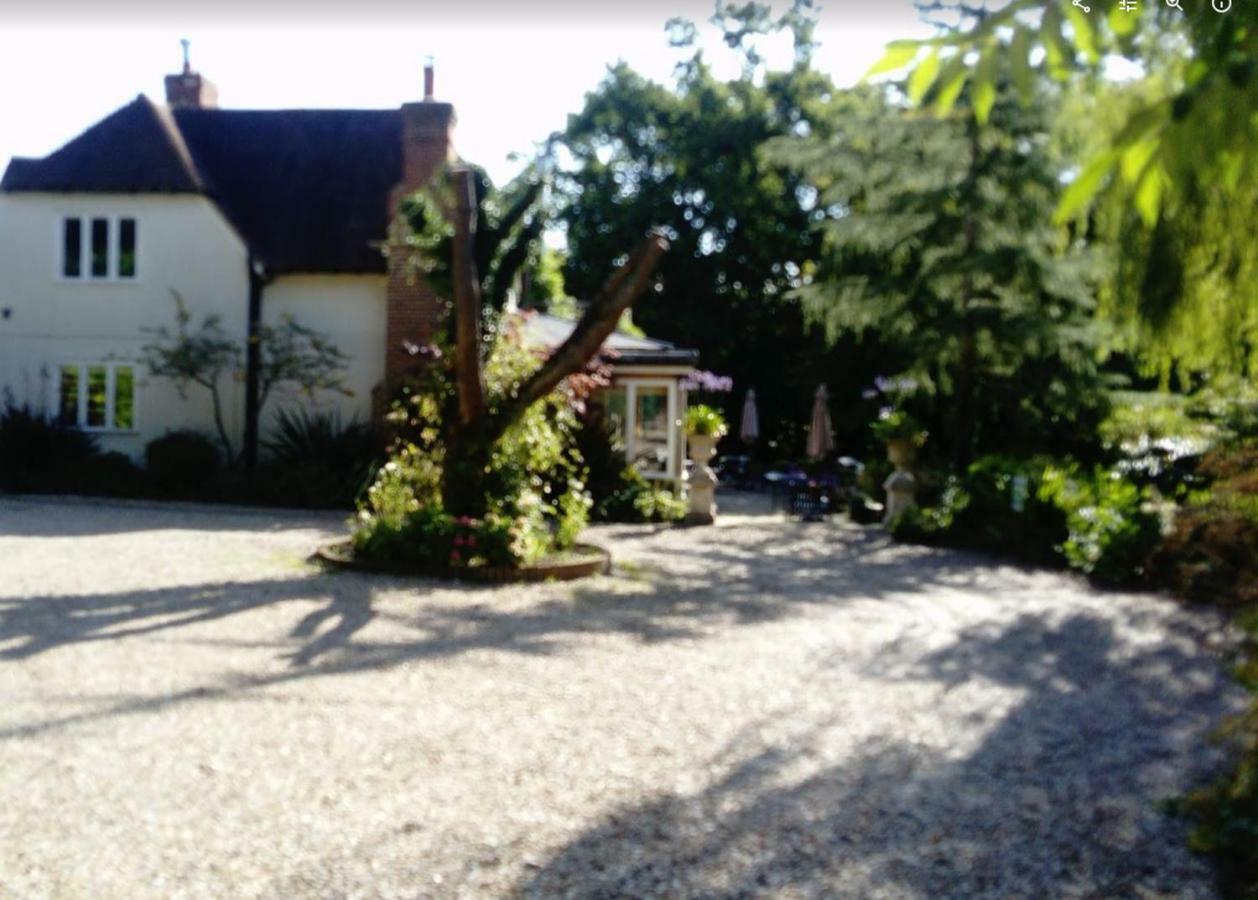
(455, 557)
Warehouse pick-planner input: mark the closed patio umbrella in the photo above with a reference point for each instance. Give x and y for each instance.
(820, 432)
(749, 430)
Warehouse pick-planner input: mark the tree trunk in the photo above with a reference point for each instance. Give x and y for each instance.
(467, 449)
(470, 439)
(463, 472)
(468, 373)
(229, 453)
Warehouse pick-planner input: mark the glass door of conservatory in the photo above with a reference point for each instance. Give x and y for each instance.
(644, 413)
(652, 430)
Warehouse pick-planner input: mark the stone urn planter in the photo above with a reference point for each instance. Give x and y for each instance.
(702, 448)
(902, 452)
(704, 428)
(701, 480)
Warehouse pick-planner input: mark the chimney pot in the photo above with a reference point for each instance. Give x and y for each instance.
(429, 78)
(190, 89)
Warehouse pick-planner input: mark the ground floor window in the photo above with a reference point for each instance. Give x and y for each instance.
(97, 396)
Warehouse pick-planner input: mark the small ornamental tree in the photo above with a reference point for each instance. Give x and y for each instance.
(291, 353)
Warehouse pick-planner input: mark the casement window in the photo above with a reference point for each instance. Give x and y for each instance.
(644, 413)
(100, 248)
(97, 396)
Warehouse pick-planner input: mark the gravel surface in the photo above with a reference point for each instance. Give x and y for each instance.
(762, 708)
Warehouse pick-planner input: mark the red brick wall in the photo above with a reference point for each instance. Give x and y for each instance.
(190, 90)
(412, 309)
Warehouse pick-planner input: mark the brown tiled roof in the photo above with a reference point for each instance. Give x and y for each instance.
(307, 190)
(137, 149)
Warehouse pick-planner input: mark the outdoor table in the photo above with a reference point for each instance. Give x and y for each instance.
(782, 485)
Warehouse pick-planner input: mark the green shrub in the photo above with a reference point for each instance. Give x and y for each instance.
(1231, 403)
(430, 536)
(654, 504)
(618, 491)
(535, 492)
(1095, 521)
(1226, 812)
(1112, 533)
(182, 464)
(39, 454)
(994, 507)
(1210, 554)
(109, 475)
(574, 515)
(318, 462)
(1140, 417)
(636, 500)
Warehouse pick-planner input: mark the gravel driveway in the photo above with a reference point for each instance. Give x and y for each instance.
(762, 708)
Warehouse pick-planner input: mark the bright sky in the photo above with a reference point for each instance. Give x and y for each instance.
(512, 75)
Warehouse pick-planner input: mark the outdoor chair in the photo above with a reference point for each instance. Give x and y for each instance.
(735, 472)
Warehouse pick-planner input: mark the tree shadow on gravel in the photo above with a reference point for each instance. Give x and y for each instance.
(35, 625)
(31, 516)
(755, 572)
(1057, 797)
(665, 597)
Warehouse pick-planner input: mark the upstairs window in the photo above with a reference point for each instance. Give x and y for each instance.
(98, 248)
(72, 249)
(98, 397)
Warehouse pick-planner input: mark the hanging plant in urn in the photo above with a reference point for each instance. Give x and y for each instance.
(902, 434)
(704, 427)
(895, 425)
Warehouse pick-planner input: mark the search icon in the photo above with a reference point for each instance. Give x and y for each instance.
(1174, 4)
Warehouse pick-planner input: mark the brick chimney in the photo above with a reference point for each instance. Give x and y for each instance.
(412, 310)
(189, 89)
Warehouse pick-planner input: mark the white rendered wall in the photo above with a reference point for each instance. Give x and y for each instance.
(184, 245)
(349, 310)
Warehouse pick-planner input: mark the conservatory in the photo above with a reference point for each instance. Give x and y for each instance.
(646, 401)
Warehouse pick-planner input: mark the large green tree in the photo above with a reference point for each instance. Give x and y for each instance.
(684, 156)
(1172, 182)
(938, 238)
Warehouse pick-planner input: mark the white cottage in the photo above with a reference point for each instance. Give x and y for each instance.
(250, 216)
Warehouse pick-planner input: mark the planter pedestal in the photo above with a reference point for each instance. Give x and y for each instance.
(901, 488)
(701, 481)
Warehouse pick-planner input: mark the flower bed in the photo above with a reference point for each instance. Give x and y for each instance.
(581, 561)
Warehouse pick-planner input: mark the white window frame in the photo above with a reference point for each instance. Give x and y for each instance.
(111, 367)
(630, 386)
(113, 250)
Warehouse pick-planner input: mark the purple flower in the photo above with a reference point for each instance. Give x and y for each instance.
(701, 380)
(902, 384)
(423, 351)
(869, 394)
